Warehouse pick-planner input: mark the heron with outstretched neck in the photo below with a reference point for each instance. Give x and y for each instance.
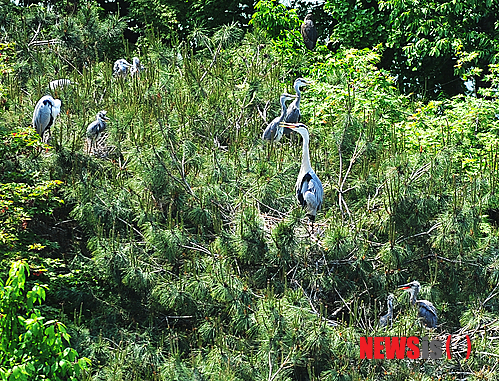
(427, 312)
(293, 114)
(309, 190)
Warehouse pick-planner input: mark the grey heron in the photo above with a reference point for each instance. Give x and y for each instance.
(59, 83)
(95, 128)
(427, 312)
(309, 190)
(308, 32)
(274, 131)
(293, 112)
(388, 318)
(46, 111)
(136, 67)
(120, 68)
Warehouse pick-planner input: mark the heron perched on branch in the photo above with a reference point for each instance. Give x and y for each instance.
(427, 312)
(308, 32)
(293, 112)
(46, 111)
(95, 128)
(274, 130)
(388, 318)
(120, 68)
(309, 190)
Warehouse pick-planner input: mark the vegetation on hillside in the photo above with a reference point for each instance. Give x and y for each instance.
(181, 252)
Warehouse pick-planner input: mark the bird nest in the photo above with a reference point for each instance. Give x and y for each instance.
(100, 148)
(302, 230)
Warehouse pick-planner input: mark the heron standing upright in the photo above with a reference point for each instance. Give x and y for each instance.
(427, 312)
(274, 130)
(46, 111)
(309, 190)
(136, 67)
(388, 318)
(95, 128)
(308, 32)
(293, 112)
(120, 67)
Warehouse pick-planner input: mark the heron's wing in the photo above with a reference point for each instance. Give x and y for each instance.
(309, 34)
(120, 66)
(42, 116)
(273, 131)
(93, 129)
(427, 312)
(310, 192)
(293, 114)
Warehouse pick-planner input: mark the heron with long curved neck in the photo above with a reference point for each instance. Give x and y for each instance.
(309, 190)
(293, 112)
(427, 312)
(388, 318)
(274, 130)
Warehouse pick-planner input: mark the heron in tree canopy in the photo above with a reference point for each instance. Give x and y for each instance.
(309, 190)
(426, 310)
(388, 318)
(46, 111)
(293, 112)
(95, 128)
(308, 32)
(274, 130)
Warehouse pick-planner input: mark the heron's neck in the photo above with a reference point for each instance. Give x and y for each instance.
(298, 95)
(414, 296)
(390, 308)
(283, 107)
(305, 159)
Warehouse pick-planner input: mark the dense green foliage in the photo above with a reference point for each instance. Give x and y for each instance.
(179, 251)
(32, 348)
(430, 45)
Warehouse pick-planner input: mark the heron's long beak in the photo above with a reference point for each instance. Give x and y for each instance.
(290, 125)
(404, 287)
